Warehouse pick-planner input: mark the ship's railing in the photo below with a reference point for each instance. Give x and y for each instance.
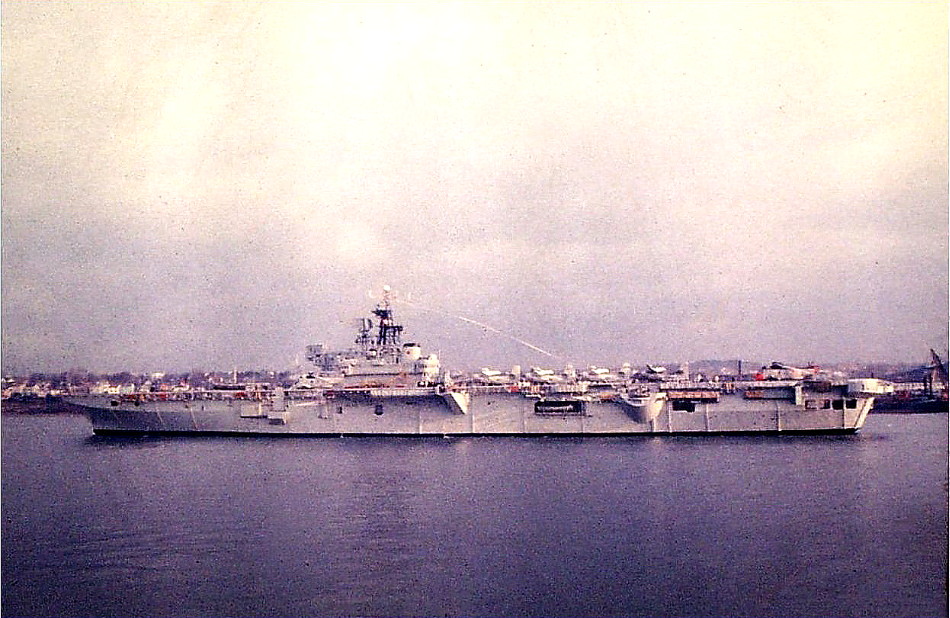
(195, 395)
(688, 385)
(415, 391)
(767, 383)
(529, 388)
(479, 389)
(304, 393)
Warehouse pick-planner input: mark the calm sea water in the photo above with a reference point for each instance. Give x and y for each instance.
(678, 526)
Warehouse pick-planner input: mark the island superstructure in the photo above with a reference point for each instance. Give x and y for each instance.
(383, 386)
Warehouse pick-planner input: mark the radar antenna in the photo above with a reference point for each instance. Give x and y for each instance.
(389, 332)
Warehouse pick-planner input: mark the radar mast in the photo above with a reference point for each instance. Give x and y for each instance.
(388, 333)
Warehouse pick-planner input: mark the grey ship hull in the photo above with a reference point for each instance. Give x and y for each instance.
(476, 411)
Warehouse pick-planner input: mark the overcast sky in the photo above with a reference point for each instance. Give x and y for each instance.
(218, 184)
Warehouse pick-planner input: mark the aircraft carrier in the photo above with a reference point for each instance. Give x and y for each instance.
(382, 386)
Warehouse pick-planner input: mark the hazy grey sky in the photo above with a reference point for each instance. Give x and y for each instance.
(211, 184)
